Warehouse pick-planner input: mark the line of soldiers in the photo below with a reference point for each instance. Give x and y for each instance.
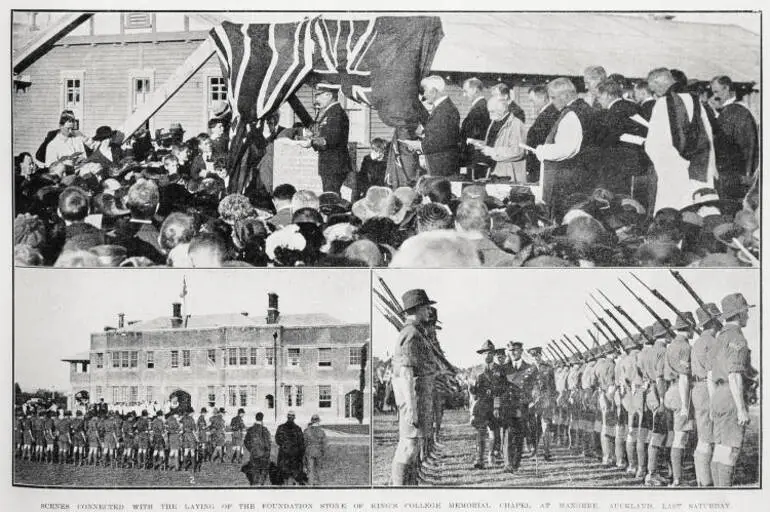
(176, 441)
(422, 377)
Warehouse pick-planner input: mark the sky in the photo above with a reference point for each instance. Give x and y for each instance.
(56, 310)
(535, 305)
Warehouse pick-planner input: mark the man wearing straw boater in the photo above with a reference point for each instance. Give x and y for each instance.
(413, 373)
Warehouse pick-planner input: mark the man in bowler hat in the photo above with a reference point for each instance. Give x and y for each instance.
(413, 370)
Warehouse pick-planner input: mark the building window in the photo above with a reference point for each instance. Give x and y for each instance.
(354, 356)
(124, 359)
(293, 359)
(287, 396)
(134, 358)
(174, 359)
(100, 359)
(134, 20)
(232, 396)
(212, 396)
(325, 357)
(269, 357)
(243, 358)
(124, 394)
(115, 394)
(253, 395)
(134, 396)
(324, 397)
(243, 396)
(212, 353)
(150, 394)
(98, 393)
(217, 89)
(186, 358)
(232, 356)
(141, 89)
(150, 355)
(253, 356)
(269, 402)
(299, 396)
(73, 93)
(115, 359)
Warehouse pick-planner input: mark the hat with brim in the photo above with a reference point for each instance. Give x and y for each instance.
(415, 298)
(707, 313)
(734, 304)
(535, 351)
(512, 345)
(659, 330)
(724, 233)
(684, 324)
(380, 202)
(487, 346)
(725, 206)
(330, 203)
(499, 352)
(103, 133)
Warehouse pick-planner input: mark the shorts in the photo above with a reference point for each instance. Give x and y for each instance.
(173, 441)
(189, 442)
(64, 441)
(662, 421)
(93, 442)
(27, 437)
(237, 439)
(158, 443)
(727, 431)
(673, 403)
(218, 438)
(699, 397)
(143, 441)
(110, 441)
(78, 441)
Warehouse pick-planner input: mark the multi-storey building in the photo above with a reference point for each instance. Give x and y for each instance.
(309, 363)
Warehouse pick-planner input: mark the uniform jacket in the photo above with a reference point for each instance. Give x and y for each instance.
(315, 441)
(333, 127)
(522, 382)
(413, 350)
(441, 142)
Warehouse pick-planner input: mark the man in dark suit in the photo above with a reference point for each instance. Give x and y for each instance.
(502, 90)
(330, 139)
(441, 131)
(645, 99)
(538, 132)
(737, 146)
(621, 140)
(474, 125)
(521, 377)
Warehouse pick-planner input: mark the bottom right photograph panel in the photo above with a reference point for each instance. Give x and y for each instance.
(579, 378)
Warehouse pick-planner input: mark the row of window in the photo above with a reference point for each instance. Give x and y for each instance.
(236, 396)
(232, 356)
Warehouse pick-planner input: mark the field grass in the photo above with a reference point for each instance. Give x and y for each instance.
(457, 452)
(346, 465)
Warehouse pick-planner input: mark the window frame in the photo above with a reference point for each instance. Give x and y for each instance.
(293, 362)
(77, 108)
(321, 400)
(322, 364)
(149, 359)
(174, 363)
(186, 358)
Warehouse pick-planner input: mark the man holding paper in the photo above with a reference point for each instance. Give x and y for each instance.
(503, 141)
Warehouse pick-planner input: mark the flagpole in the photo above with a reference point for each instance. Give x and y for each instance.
(183, 296)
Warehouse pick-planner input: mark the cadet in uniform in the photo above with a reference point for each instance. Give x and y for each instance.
(189, 439)
(521, 377)
(562, 404)
(677, 373)
(48, 430)
(619, 397)
(544, 401)
(172, 431)
(588, 409)
(142, 436)
(640, 389)
(730, 363)
(37, 434)
(204, 451)
(127, 435)
(708, 320)
(94, 441)
(217, 428)
(652, 363)
(502, 404)
(605, 379)
(158, 427)
(482, 408)
(439, 390)
(573, 404)
(237, 427)
(412, 372)
(79, 441)
(64, 436)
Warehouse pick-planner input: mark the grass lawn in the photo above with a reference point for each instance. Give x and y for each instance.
(457, 454)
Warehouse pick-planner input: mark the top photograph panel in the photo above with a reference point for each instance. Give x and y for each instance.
(496, 139)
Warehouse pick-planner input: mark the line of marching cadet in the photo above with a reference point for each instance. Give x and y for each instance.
(634, 405)
(173, 442)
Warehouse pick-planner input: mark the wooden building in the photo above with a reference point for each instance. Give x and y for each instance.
(108, 67)
(309, 363)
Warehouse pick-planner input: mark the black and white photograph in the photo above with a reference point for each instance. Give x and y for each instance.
(583, 379)
(406, 139)
(160, 379)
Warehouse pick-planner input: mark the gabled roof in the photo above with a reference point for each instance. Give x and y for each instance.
(555, 44)
(235, 320)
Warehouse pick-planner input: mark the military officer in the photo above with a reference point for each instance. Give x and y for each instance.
(521, 376)
(482, 406)
(412, 371)
(677, 372)
(700, 362)
(576, 426)
(562, 403)
(502, 404)
(544, 400)
(730, 364)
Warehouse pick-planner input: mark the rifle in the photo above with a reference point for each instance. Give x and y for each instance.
(610, 314)
(574, 347)
(581, 342)
(628, 317)
(572, 351)
(668, 303)
(554, 354)
(607, 326)
(593, 337)
(392, 297)
(652, 312)
(681, 280)
(560, 351)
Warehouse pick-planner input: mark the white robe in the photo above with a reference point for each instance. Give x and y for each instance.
(675, 188)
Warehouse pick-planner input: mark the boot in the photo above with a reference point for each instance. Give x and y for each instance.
(480, 449)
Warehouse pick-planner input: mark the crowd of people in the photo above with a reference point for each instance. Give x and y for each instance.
(659, 172)
(643, 404)
(174, 441)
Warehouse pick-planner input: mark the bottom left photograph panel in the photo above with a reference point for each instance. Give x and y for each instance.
(205, 378)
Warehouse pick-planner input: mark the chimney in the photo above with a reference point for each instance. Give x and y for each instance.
(121, 320)
(176, 315)
(272, 308)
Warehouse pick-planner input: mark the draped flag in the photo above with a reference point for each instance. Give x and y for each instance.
(377, 61)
